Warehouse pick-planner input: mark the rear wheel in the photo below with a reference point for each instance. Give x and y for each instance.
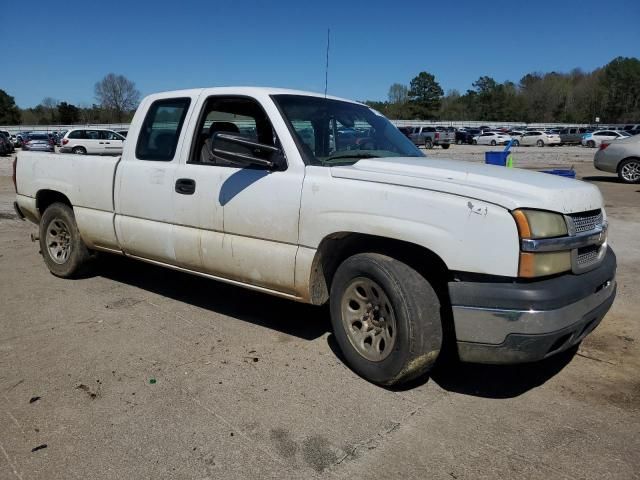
(516, 143)
(386, 318)
(428, 144)
(591, 144)
(79, 150)
(474, 142)
(540, 143)
(629, 170)
(63, 250)
(493, 143)
(445, 145)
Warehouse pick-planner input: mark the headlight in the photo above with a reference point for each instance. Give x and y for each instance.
(537, 224)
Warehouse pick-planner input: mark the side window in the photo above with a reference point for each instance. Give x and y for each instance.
(161, 129)
(92, 134)
(77, 134)
(241, 117)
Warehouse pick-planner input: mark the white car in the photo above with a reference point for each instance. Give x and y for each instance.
(491, 138)
(594, 139)
(93, 141)
(539, 138)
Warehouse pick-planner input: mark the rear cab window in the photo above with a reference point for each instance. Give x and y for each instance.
(158, 138)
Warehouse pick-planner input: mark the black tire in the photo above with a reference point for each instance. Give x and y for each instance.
(58, 220)
(591, 144)
(516, 143)
(493, 143)
(474, 142)
(414, 311)
(540, 143)
(629, 170)
(428, 144)
(79, 150)
(445, 146)
(458, 142)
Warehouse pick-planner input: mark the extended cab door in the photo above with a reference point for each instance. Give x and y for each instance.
(144, 188)
(243, 221)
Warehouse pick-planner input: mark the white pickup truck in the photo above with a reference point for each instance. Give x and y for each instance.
(252, 186)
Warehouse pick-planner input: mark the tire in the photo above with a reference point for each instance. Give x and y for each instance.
(63, 250)
(629, 170)
(428, 144)
(458, 142)
(408, 341)
(474, 142)
(539, 143)
(515, 143)
(493, 143)
(591, 144)
(79, 150)
(445, 146)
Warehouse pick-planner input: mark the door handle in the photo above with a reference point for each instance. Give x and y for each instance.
(185, 186)
(101, 143)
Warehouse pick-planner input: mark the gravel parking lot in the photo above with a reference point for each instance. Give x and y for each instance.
(139, 372)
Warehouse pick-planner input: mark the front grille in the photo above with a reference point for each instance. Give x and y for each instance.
(587, 255)
(585, 221)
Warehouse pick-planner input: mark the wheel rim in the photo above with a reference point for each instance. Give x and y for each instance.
(630, 171)
(79, 151)
(368, 319)
(58, 241)
(540, 143)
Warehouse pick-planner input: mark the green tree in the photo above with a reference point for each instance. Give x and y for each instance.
(9, 111)
(425, 94)
(621, 81)
(68, 114)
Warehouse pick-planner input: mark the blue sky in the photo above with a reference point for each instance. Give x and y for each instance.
(62, 49)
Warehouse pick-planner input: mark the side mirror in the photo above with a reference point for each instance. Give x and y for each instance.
(231, 148)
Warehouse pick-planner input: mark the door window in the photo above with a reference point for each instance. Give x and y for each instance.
(161, 129)
(238, 116)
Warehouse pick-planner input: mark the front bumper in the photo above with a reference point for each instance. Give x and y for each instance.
(514, 322)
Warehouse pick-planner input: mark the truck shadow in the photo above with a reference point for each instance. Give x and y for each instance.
(603, 179)
(497, 381)
(300, 320)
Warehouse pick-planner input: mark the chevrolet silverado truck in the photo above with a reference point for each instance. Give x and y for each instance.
(243, 185)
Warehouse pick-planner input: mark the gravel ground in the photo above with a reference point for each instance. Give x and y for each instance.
(140, 372)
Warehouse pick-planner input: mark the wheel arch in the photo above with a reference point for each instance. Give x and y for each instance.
(46, 197)
(337, 247)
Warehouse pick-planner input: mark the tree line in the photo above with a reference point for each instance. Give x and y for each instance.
(116, 100)
(611, 93)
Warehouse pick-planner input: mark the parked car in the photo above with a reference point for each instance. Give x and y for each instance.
(40, 142)
(539, 138)
(466, 136)
(93, 141)
(123, 132)
(622, 157)
(21, 137)
(573, 135)
(491, 138)
(6, 145)
(432, 136)
(387, 239)
(594, 139)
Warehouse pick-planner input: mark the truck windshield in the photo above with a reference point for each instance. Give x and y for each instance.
(331, 132)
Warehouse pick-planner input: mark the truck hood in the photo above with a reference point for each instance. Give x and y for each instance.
(510, 188)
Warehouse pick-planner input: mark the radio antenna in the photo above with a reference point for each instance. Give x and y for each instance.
(326, 68)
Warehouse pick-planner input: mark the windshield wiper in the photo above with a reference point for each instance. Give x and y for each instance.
(352, 155)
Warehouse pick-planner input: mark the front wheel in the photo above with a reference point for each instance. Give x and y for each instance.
(516, 143)
(540, 143)
(493, 143)
(474, 142)
(591, 144)
(62, 248)
(458, 142)
(428, 144)
(629, 170)
(386, 318)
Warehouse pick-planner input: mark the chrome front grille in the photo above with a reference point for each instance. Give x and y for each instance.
(585, 221)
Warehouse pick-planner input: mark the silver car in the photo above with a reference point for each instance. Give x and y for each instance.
(621, 157)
